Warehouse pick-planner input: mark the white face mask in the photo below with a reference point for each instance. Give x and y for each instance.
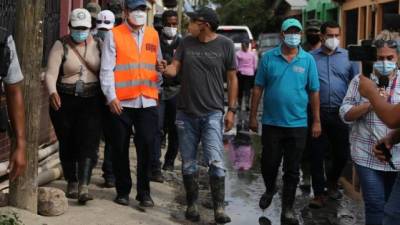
(170, 31)
(332, 43)
(138, 17)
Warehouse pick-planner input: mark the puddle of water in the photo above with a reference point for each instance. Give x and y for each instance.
(244, 187)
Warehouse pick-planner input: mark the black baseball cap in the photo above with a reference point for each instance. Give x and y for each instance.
(205, 14)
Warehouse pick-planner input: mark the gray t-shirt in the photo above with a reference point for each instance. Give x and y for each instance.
(14, 74)
(203, 69)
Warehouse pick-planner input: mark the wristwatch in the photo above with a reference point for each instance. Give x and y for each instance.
(232, 109)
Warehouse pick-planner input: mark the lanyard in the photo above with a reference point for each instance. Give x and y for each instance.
(392, 89)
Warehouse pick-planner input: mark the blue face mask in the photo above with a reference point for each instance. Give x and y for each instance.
(385, 68)
(292, 40)
(79, 35)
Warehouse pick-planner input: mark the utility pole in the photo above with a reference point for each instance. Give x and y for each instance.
(180, 15)
(29, 42)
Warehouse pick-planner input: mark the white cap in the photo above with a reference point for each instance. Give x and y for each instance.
(103, 16)
(80, 18)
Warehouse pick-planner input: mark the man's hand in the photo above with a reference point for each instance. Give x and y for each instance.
(55, 101)
(115, 107)
(388, 141)
(17, 163)
(366, 87)
(229, 120)
(161, 66)
(316, 129)
(253, 124)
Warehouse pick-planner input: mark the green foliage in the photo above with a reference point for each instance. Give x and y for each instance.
(256, 14)
(10, 218)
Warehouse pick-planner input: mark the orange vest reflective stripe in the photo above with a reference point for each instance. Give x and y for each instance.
(135, 71)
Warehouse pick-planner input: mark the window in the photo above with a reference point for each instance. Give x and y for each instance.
(351, 26)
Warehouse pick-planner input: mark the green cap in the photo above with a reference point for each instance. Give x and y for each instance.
(93, 8)
(291, 22)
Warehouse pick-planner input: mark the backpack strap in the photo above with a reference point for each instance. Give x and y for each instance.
(63, 41)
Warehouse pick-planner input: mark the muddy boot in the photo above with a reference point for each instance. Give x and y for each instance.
(266, 199)
(192, 194)
(288, 216)
(84, 174)
(72, 190)
(69, 172)
(217, 185)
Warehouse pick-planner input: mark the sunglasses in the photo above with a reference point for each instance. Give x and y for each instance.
(381, 43)
(108, 22)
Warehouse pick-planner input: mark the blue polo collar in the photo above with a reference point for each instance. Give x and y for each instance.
(301, 54)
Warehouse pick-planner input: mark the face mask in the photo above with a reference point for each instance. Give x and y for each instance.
(170, 31)
(385, 68)
(292, 40)
(102, 34)
(79, 35)
(313, 38)
(332, 43)
(138, 17)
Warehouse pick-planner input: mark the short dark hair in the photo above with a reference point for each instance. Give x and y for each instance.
(214, 26)
(330, 24)
(167, 14)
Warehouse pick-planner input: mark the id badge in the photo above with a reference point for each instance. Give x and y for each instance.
(79, 87)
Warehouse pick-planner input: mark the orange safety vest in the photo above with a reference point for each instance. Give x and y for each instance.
(135, 71)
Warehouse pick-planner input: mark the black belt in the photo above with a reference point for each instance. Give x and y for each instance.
(89, 89)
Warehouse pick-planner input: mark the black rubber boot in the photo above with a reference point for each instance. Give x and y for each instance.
(288, 216)
(84, 175)
(69, 171)
(72, 190)
(266, 199)
(217, 185)
(192, 194)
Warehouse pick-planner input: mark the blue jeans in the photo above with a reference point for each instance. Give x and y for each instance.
(392, 207)
(208, 130)
(376, 187)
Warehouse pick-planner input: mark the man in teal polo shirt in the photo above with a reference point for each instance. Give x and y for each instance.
(290, 79)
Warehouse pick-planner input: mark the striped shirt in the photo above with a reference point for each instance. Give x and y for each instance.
(368, 129)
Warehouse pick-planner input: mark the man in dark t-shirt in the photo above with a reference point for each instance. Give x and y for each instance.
(203, 59)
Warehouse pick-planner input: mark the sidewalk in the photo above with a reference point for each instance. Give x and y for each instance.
(103, 211)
